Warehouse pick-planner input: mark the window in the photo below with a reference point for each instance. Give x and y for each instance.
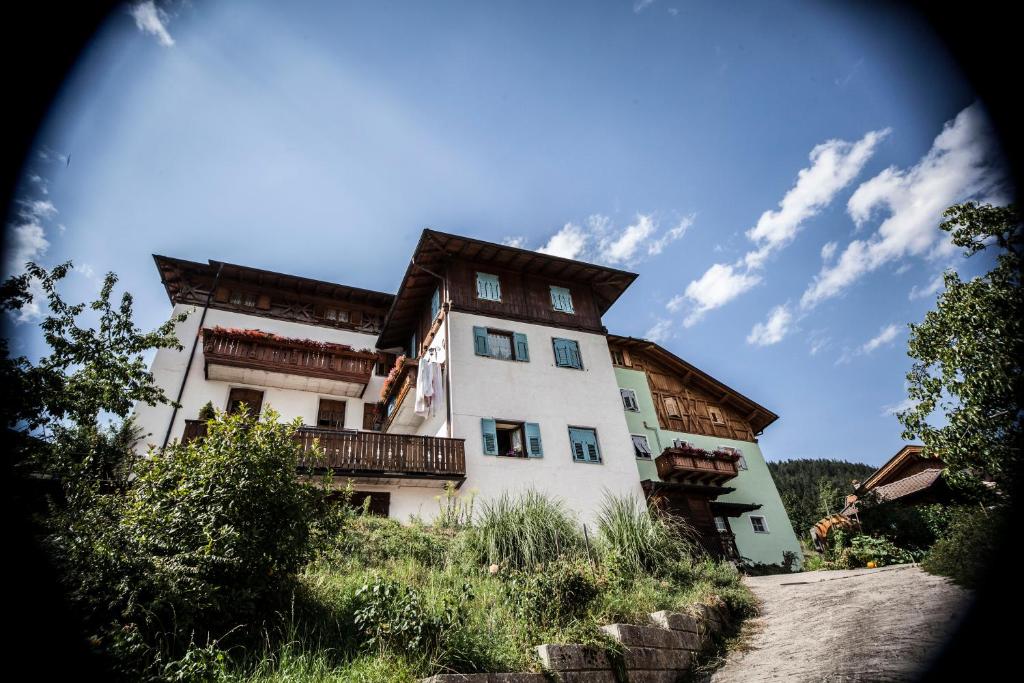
(721, 525)
(641, 447)
(629, 400)
(250, 398)
(377, 503)
(741, 462)
(759, 523)
(617, 357)
(385, 362)
(672, 407)
(335, 315)
(331, 414)
(500, 344)
(567, 354)
(511, 439)
(488, 287)
(435, 303)
(561, 299)
(584, 444)
(414, 349)
(716, 415)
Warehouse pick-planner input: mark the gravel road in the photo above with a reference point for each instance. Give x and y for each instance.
(844, 626)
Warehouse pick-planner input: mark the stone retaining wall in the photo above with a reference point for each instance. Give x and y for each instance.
(658, 652)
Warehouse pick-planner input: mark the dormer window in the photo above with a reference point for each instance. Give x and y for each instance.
(561, 299)
(488, 287)
(335, 315)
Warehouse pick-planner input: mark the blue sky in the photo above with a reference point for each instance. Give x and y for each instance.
(774, 174)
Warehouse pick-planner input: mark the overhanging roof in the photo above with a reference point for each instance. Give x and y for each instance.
(908, 452)
(175, 274)
(435, 248)
(758, 416)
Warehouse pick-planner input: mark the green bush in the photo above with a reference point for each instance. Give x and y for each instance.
(561, 592)
(523, 531)
(395, 617)
(634, 539)
(969, 545)
(374, 541)
(864, 549)
(208, 536)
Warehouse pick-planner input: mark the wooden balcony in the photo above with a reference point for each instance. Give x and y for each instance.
(262, 359)
(695, 466)
(398, 395)
(374, 456)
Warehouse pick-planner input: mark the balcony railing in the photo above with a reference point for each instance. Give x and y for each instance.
(695, 466)
(255, 350)
(398, 385)
(372, 453)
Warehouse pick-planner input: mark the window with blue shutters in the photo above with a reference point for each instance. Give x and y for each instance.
(500, 344)
(584, 444)
(561, 299)
(435, 303)
(567, 353)
(488, 287)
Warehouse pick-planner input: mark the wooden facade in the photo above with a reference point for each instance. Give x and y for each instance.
(687, 399)
(273, 295)
(449, 264)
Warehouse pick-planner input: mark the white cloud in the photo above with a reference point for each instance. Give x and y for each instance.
(37, 209)
(959, 165)
(716, 287)
(818, 341)
(828, 251)
(893, 408)
(641, 5)
(623, 249)
(517, 241)
(772, 330)
(599, 241)
(28, 243)
(568, 242)
(151, 19)
(660, 331)
(658, 245)
(886, 335)
(834, 165)
(929, 289)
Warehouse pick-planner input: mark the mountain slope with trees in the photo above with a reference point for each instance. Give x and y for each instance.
(812, 489)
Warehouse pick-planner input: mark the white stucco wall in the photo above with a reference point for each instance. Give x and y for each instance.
(555, 398)
(169, 366)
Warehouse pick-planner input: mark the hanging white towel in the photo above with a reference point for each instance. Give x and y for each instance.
(424, 388)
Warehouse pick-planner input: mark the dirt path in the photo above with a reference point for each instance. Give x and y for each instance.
(845, 626)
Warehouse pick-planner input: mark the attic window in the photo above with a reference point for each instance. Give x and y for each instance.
(335, 315)
(716, 415)
(672, 407)
(488, 287)
(561, 299)
(617, 357)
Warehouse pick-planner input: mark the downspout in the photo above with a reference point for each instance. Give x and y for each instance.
(657, 435)
(191, 356)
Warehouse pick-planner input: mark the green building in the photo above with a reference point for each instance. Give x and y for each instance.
(697, 453)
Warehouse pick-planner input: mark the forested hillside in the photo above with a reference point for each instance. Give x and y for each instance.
(812, 489)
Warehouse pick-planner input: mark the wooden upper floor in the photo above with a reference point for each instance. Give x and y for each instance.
(273, 295)
(687, 399)
(473, 276)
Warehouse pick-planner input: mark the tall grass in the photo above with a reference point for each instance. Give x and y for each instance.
(525, 530)
(638, 539)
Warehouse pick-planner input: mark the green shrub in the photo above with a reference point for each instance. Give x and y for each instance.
(375, 541)
(969, 546)
(864, 549)
(208, 535)
(523, 531)
(554, 596)
(634, 539)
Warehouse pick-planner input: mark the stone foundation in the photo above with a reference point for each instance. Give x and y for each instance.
(658, 652)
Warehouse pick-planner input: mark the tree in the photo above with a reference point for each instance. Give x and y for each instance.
(52, 407)
(967, 355)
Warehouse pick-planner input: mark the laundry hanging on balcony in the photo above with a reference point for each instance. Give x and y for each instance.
(428, 387)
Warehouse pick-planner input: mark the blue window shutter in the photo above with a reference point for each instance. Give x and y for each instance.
(490, 436)
(488, 287)
(522, 348)
(584, 445)
(561, 299)
(533, 445)
(435, 303)
(480, 341)
(567, 354)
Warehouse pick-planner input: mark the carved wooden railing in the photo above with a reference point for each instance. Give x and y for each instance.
(295, 357)
(694, 466)
(371, 453)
